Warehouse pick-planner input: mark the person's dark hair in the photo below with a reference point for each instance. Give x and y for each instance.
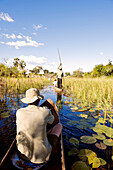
(36, 102)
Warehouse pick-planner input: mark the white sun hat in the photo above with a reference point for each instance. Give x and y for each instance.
(32, 95)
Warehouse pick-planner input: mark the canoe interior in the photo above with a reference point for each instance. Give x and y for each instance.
(56, 163)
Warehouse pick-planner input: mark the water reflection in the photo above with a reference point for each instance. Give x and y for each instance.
(71, 120)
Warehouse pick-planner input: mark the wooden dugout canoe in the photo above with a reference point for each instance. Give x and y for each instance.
(56, 163)
(58, 89)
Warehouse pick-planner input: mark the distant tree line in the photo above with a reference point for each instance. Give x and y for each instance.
(98, 71)
(18, 70)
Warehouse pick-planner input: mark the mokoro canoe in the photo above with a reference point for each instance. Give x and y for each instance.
(58, 89)
(56, 163)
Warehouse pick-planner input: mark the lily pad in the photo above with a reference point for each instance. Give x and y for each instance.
(96, 129)
(79, 165)
(101, 146)
(83, 109)
(102, 162)
(101, 120)
(88, 139)
(4, 114)
(96, 162)
(84, 154)
(109, 132)
(108, 142)
(73, 122)
(83, 115)
(74, 108)
(99, 136)
(73, 151)
(74, 141)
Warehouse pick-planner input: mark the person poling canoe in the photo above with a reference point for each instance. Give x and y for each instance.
(34, 144)
(59, 74)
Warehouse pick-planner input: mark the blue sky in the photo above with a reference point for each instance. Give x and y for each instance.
(32, 30)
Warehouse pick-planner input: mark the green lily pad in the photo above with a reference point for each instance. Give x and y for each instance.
(101, 120)
(83, 109)
(84, 154)
(79, 165)
(99, 136)
(102, 162)
(109, 132)
(74, 141)
(72, 122)
(83, 115)
(91, 120)
(96, 129)
(80, 126)
(101, 146)
(92, 110)
(74, 108)
(73, 151)
(96, 162)
(108, 142)
(5, 114)
(88, 139)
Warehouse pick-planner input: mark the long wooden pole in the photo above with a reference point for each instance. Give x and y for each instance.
(59, 56)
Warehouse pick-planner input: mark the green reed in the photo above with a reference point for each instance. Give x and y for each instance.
(91, 91)
(20, 85)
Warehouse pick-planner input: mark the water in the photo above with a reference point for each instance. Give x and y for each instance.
(10, 104)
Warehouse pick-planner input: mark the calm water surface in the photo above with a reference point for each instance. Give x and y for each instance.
(10, 104)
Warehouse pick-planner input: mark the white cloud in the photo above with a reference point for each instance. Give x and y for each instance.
(36, 27)
(13, 36)
(101, 53)
(31, 61)
(18, 44)
(6, 17)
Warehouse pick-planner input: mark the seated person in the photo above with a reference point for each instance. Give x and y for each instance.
(33, 142)
(55, 83)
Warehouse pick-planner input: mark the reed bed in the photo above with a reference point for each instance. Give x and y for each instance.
(91, 91)
(20, 85)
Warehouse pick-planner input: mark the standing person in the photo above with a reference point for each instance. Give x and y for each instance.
(59, 76)
(33, 144)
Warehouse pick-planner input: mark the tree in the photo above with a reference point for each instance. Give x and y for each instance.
(46, 71)
(67, 74)
(78, 73)
(97, 71)
(22, 64)
(16, 62)
(35, 70)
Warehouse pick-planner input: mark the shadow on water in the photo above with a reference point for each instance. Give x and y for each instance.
(9, 106)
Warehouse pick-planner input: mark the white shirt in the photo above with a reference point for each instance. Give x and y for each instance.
(31, 133)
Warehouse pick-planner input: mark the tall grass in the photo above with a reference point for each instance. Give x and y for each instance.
(20, 85)
(91, 91)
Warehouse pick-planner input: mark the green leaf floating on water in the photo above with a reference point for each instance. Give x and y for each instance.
(101, 120)
(79, 165)
(99, 136)
(84, 154)
(4, 114)
(109, 132)
(73, 151)
(74, 141)
(108, 142)
(82, 115)
(96, 129)
(88, 139)
(101, 146)
(96, 162)
(83, 109)
(102, 162)
(72, 122)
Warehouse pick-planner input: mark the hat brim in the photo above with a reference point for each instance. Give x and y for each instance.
(31, 100)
